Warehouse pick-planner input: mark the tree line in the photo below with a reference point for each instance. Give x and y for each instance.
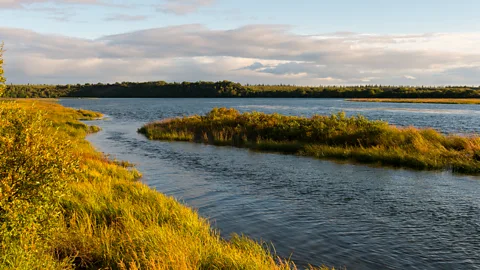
(162, 89)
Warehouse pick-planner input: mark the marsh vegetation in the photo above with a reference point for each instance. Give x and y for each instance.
(336, 137)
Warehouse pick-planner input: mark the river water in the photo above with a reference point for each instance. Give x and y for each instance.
(315, 211)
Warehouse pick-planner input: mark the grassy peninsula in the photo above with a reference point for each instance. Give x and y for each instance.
(335, 137)
(420, 100)
(64, 205)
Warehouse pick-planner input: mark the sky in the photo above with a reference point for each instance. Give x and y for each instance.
(302, 42)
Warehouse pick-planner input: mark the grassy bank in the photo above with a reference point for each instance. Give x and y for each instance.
(336, 137)
(419, 100)
(63, 205)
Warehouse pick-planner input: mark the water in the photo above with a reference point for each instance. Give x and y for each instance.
(319, 212)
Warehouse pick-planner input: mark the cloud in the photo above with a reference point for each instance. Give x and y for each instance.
(254, 66)
(249, 54)
(55, 13)
(183, 7)
(24, 3)
(126, 18)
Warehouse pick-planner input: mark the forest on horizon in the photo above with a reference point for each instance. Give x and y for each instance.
(162, 89)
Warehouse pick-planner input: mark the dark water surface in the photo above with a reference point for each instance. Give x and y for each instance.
(321, 212)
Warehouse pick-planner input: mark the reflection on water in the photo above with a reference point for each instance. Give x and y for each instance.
(309, 110)
(416, 110)
(319, 211)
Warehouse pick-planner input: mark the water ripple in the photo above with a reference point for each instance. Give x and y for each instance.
(319, 212)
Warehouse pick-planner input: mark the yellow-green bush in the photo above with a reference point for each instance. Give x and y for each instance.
(35, 168)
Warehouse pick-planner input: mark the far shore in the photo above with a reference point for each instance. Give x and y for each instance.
(420, 100)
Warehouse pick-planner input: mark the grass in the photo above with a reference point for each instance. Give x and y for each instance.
(331, 137)
(420, 100)
(66, 206)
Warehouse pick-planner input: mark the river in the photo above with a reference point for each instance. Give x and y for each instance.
(314, 211)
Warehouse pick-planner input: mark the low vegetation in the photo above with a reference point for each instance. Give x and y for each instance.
(63, 205)
(337, 136)
(162, 89)
(420, 100)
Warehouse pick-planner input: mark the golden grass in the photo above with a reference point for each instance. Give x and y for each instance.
(106, 218)
(420, 100)
(336, 137)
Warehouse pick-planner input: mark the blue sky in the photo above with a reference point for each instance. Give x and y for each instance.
(334, 42)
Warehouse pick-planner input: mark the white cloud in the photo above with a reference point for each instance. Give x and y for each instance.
(250, 54)
(126, 18)
(183, 7)
(23, 3)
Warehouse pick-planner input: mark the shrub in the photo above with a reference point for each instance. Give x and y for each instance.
(34, 169)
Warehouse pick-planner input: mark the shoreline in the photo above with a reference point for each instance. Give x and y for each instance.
(472, 101)
(103, 216)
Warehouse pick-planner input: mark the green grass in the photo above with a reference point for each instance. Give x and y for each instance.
(64, 205)
(331, 137)
(420, 100)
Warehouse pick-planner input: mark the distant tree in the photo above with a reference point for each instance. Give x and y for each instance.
(2, 78)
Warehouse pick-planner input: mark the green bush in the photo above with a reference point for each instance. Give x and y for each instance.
(34, 171)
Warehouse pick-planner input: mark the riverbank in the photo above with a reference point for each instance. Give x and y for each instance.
(331, 137)
(65, 206)
(418, 100)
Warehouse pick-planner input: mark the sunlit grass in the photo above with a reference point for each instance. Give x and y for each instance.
(420, 100)
(92, 212)
(334, 137)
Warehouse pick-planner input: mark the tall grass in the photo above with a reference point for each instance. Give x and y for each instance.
(337, 136)
(63, 205)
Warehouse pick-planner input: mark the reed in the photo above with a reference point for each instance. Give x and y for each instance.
(333, 137)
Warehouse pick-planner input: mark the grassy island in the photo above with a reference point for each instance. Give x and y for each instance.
(420, 100)
(334, 137)
(64, 205)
